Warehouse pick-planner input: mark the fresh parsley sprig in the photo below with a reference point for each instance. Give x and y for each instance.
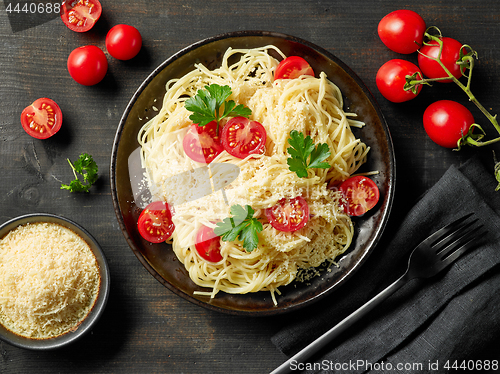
(240, 226)
(305, 155)
(206, 105)
(87, 168)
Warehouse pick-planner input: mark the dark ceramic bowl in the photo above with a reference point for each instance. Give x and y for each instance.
(86, 325)
(160, 260)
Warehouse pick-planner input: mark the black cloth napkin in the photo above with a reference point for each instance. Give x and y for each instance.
(427, 324)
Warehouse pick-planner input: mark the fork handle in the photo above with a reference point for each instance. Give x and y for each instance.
(340, 327)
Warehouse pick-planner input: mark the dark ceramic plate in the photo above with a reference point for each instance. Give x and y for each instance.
(160, 260)
(100, 303)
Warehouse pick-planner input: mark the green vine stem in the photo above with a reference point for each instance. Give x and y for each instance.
(467, 55)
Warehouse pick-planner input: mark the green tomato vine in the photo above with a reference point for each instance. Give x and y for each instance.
(466, 61)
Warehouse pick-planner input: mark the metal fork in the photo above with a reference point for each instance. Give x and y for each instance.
(431, 256)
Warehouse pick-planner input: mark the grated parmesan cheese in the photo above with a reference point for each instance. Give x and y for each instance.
(49, 280)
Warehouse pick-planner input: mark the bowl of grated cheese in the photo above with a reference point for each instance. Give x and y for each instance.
(54, 281)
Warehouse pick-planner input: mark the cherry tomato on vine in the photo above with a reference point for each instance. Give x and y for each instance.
(42, 119)
(360, 193)
(208, 244)
(201, 143)
(293, 67)
(446, 121)
(391, 79)
(155, 222)
(87, 65)
(289, 214)
(449, 57)
(402, 31)
(123, 42)
(242, 137)
(80, 15)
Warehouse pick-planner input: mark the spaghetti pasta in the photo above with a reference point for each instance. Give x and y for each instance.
(309, 105)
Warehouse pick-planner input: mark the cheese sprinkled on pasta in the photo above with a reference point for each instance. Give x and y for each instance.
(307, 104)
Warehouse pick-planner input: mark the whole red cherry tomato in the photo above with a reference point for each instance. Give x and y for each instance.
(446, 121)
(123, 42)
(87, 65)
(402, 31)
(391, 79)
(449, 57)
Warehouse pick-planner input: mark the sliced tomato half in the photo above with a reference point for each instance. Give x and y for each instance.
(80, 15)
(208, 244)
(42, 119)
(293, 67)
(360, 195)
(289, 214)
(201, 143)
(242, 137)
(155, 222)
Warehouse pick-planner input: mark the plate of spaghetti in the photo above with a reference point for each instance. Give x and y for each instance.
(228, 171)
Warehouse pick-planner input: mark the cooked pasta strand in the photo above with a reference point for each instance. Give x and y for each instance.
(310, 105)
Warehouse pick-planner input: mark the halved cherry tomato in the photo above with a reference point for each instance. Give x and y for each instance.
(201, 143)
(242, 137)
(360, 193)
(80, 15)
(402, 31)
(449, 57)
(208, 244)
(87, 65)
(42, 119)
(293, 67)
(123, 42)
(289, 214)
(155, 222)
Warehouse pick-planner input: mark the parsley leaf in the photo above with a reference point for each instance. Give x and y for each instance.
(87, 168)
(240, 226)
(303, 148)
(206, 105)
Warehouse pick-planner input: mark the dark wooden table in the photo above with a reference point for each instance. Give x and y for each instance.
(146, 328)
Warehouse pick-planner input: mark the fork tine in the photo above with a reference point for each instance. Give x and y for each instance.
(463, 230)
(459, 247)
(443, 232)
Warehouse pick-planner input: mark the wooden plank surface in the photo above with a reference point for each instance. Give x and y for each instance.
(146, 328)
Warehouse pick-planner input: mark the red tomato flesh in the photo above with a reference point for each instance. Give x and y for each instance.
(449, 57)
(87, 65)
(123, 42)
(242, 137)
(446, 121)
(80, 15)
(293, 67)
(155, 222)
(208, 244)
(402, 31)
(360, 195)
(201, 143)
(289, 214)
(42, 119)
